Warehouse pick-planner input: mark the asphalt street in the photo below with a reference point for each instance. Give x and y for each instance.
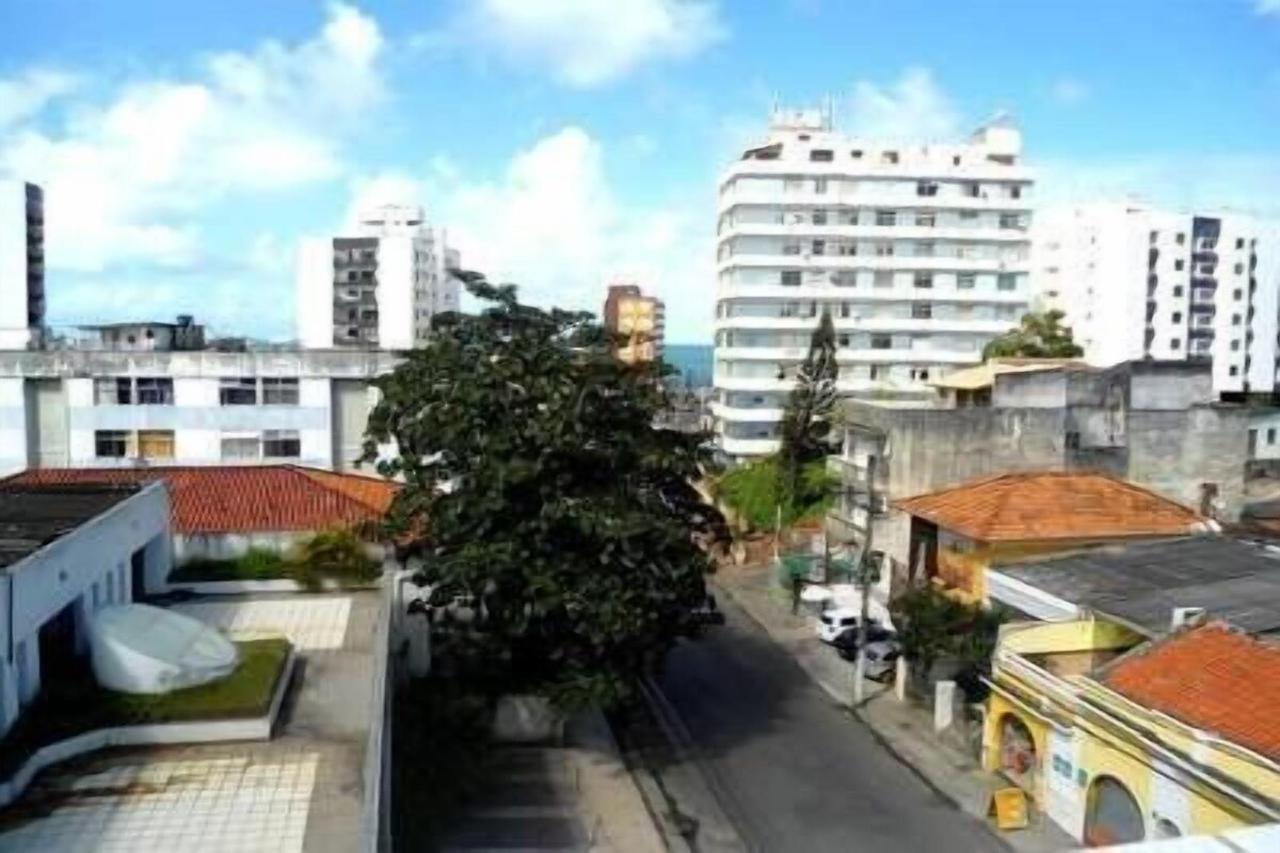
(792, 771)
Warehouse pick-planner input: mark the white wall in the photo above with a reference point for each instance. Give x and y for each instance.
(14, 333)
(313, 312)
(13, 424)
(396, 279)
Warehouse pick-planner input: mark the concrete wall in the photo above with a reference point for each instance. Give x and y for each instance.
(1173, 453)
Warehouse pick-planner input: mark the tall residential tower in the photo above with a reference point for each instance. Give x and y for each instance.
(377, 288)
(642, 319)
(21, 264)
(919, 251)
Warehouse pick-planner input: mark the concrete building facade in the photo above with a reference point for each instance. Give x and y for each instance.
(920, 253)
(378, 287)
(1139, 282)
(639, 318)
(22, 302)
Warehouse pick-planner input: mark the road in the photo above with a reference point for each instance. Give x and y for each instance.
(792, 771)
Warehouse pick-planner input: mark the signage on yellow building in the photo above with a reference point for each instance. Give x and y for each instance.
(1009, 808)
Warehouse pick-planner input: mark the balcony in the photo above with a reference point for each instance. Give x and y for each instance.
(1203, 332)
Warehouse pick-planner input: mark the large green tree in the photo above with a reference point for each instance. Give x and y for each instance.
(537, 484)
(806, 421)
(1039, 335)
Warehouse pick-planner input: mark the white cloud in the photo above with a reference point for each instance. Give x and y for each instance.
(126, 179)
(552, 223)
(1069, 91)
(1268, 7)
(587, 43)
(28, 93)
(913, 107)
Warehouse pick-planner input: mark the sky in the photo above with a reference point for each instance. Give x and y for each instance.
(184, 148)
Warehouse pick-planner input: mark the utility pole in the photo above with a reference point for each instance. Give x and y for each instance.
(867, 574)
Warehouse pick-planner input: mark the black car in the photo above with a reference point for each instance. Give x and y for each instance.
(847, 643)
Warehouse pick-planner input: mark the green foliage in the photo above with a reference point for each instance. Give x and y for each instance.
(755, 490)
(932, 625)
(536, 482)
(1038, 336)
(806, 422)
(74, 703)
(337, 555)
(253, 565)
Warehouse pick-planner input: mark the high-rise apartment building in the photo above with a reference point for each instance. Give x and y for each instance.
(920, 252)
(378, 287)
(21, 264)
(640, 319)
(1139, 282)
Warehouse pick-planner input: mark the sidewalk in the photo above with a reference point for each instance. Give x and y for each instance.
(904, 728)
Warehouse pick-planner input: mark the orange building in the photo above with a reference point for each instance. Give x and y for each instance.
(640, 319)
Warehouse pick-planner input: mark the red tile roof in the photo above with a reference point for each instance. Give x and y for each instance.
(234, 499)
(1052, 505)
(1214, 678)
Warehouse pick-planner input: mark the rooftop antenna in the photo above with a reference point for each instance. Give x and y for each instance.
(828, 120)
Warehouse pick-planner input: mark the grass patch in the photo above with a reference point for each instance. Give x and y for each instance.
(74, 703)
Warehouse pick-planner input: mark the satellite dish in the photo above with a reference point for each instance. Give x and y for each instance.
(137, 648)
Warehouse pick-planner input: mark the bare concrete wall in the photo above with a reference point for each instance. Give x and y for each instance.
(1174, 452)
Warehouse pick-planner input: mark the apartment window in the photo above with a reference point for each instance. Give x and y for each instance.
(1271, 435)
(1237, 294)
(1233, 371)
(890, 157)
(820, 185)
(927, 188)
(277, 391)
(1239, 242)
(842, 340)
(919, 374)
(1239, 269)
(926, 219)
(1179, 264)
(1006, 281)
(155, 443)
(1015, 191)
(965, 280)
(968, 215)
(921, 311)
(819, 217)
(1235, 319)
(886, 217)
(821, 155)
(791, 248)
(1155, 235)
(881, 342)
(112, 391)
(1175, 344)
(1010, 221)
(924, 249)
(240, 448)
(1177, 316)
(844, 309)
(844, 278)
(819, 247)
(971, 190)
(110, 444)
(154, 391)
(884, 250)
(1235, 346)
(882, 278)
(1072, 440)
(1181, 239)
(923, 279)
(281, 444)
(238, 391)
(1177, 290)
(856, 153)
(790, 278)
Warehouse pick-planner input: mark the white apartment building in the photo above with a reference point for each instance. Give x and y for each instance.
(376, 288)
(21, 264)
(120, 407)
(920, 252)
(1135, 282)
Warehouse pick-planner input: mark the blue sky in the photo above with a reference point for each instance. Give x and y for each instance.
(184, 148)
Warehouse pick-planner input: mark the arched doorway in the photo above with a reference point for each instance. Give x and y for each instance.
(1112, 815)
(1017, 750)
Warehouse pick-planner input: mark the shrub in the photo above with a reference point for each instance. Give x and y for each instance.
(756, 490)
(337, 555)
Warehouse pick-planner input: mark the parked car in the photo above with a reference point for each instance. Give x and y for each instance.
(708, 613)
(847, 643)
(834, 622)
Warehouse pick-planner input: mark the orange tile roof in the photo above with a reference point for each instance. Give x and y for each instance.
(232, 499)
(1214, 678)
(1052, 505)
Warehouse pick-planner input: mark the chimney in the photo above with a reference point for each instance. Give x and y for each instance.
(1183, 616)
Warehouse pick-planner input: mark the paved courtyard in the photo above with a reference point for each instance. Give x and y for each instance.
(301, 791)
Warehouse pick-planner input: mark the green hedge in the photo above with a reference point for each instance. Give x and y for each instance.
(337, 555)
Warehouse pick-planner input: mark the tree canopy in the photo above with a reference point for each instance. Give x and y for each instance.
(536, 483)
(1039, 335)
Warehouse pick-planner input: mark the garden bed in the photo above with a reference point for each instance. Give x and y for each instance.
(331, 558)
(74, 703)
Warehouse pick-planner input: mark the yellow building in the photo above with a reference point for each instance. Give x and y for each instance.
(1117, 740)
(639, 319)
(958, 533)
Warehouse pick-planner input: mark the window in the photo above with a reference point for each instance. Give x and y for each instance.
(924, 249)
(155, 391)
(281, 444)
(155, 443)
(1181, 239)
(238, 391)
(1237, 294)
(791, 248)
(1177, 290)
(111, 444)
(965, 280)
(1235, 319)
(971, 190)
(1015, 191)
(1072, 440)
(1010, 221)
(819, 185)
(919, 374)
(1006, 281)
(1175, 344)
(881, 342)
(1179, 264)
(842, 340)
(1177, 316)
(886, 217)
(819, 247)
(240, 448)
(926, 188)
(921, 311)
(883, 278)
(112, 391)
(1240, 245)
(926, 218)
(923, 279)
(1233, 371)
(1271, 435)
(279, 391)
(884, 250)
(1239, 269)
(1155, 235)
(844, 309)
(968, 215)
(1235, 346)
(819, 217)
(844, 278)
(790, 278)
(821, 155)
(890, 157)
(856, 153)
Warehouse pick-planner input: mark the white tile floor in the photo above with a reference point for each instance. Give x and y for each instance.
(309, 623)
(211, 805)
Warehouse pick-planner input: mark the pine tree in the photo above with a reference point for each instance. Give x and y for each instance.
(806, 422)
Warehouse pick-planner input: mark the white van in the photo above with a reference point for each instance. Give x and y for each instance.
(834, 622)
